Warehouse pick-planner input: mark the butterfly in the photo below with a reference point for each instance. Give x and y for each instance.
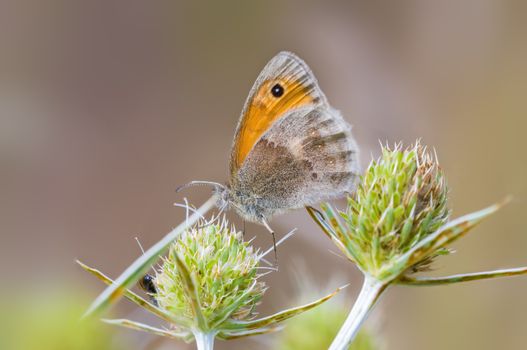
(291, 149)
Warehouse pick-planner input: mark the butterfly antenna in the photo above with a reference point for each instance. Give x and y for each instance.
(200, 183)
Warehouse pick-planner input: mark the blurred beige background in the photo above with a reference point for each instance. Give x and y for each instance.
(107, 106)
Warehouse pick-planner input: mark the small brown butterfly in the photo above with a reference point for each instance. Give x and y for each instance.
(291, 148)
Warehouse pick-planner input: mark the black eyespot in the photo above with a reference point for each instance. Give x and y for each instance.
(277, 90)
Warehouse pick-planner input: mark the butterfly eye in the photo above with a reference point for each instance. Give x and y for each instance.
(277, 90)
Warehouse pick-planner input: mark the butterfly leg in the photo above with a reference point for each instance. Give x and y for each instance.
(264, 222)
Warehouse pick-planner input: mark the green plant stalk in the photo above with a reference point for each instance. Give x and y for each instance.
(204, 341)
(132, 274)
(368, 296)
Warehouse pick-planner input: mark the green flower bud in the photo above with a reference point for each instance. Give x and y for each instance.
(223, 271)
(401, 199)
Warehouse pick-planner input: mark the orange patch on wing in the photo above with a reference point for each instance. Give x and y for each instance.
(264, 109)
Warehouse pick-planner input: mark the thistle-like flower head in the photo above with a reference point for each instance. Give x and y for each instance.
(396, 222)
(400, 201)
(222, 269)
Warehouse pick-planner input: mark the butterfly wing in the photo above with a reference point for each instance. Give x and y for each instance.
(291, 149)
(286, 83)
(307, 156)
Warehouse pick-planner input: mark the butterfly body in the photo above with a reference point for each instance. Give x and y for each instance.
(291, 148)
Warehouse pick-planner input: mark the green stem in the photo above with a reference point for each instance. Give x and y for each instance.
(368, 296)
(433, 281)
(204, 341)
(143, 263)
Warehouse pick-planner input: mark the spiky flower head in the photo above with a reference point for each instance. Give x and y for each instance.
(223, 271)
(401, 200)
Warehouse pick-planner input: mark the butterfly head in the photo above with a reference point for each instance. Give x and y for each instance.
(223, 197)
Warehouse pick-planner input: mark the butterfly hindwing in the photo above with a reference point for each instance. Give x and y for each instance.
(307, 156)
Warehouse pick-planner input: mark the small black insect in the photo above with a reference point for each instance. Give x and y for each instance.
(147, 284)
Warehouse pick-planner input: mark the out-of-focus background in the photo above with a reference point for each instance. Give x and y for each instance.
(107, 106)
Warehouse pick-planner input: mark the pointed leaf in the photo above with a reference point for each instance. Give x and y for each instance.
(149, 329)
(329, 231)
(334, 219)
(136, 299)
(321, 221)
(191, 292)
(227, 311)
(276, 318)
(445, 235)
(467, 277)
(225, 335)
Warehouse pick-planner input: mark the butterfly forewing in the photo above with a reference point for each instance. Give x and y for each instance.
(286, 83)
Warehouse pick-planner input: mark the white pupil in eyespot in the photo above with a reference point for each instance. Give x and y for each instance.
(277, 90)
